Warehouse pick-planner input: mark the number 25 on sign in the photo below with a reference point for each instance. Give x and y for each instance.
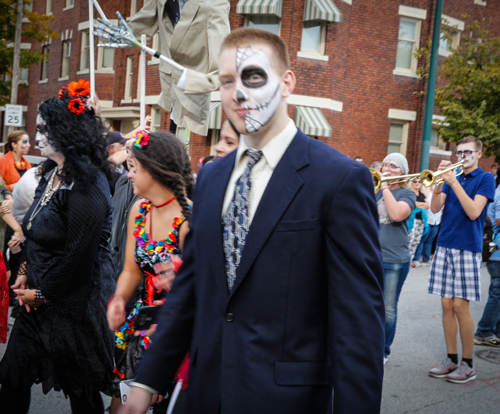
(14, 115)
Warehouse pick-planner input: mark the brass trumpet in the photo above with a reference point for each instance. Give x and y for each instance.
(429, 178)
(378, 179)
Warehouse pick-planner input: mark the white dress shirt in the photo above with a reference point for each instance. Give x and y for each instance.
(262, 171)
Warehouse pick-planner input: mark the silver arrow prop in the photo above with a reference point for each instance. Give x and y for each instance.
(121, 36)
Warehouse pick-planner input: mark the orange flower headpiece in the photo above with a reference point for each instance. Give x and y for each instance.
(78, 93)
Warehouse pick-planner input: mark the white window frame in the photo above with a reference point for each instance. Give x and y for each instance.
(412, 72)
(320, 54)
(100, 57)
(69, 4)
(45, 65)
(133, 7)
(155, 118)
(480, 2)
(246, 22)
(155, 45)
(129, 78)
(49, 7)
(83, 51)
(404, 141)
(456, 27)
(65, 59)
(24, 81)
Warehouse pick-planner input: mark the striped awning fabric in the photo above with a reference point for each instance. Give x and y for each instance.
(312, 122)
(260, 7)
(215, 117)
(325, 10)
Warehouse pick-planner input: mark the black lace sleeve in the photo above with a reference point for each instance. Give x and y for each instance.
(68, 285)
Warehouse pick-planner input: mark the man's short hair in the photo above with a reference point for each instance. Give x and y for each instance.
(357, 157)
(477, 143)
(251, 35)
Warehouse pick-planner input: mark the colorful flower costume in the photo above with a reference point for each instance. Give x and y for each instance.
(130, 348)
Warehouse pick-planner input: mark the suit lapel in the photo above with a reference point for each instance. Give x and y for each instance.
(187, 16)
(165, 19)
(281, 190)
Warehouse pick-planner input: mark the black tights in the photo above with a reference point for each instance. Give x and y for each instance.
(17, 401)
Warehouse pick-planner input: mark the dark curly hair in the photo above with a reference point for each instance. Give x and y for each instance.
(166, 159)
(80, 138)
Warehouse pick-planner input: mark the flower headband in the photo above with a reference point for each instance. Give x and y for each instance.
(78, 93)
(142, 139)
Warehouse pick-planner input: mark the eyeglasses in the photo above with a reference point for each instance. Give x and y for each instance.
(462, 153)
(391, 166)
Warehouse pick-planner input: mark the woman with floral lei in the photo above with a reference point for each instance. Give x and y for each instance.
(160, 170)
(61, 337)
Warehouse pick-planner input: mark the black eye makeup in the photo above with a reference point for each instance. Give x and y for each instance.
(253, 77)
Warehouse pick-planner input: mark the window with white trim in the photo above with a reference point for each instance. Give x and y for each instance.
(133, 7)
(156, 119)
(398, 137)
(129, 74)
(449, 39)
(313, 37)
(48, 7)
(85, 51)
(66, 54)
(437, 140)
(214, 140)
(44, 72)
(105, 57)
(408, 42)
(24, 75)
(271, 23)
(155, 46)
(69, 4)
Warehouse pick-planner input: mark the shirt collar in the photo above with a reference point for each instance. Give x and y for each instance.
(274, 149)
(475, 172)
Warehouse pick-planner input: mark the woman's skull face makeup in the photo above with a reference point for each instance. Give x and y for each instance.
(41, 139)
(257, 88)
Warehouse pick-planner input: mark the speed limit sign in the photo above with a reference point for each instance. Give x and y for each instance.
(14, 115)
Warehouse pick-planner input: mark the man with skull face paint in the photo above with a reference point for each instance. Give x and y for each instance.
(276, 309)
(455, 272)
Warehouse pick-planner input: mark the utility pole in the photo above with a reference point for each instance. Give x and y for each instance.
(431, 88)
(17, 56)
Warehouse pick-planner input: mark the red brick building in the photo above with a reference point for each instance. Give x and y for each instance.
(353, 59)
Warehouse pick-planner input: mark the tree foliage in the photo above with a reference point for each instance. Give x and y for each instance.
(470, 99)
(36, 29)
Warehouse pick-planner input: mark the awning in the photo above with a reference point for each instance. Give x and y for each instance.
(312, 122)
(215, 117)
(325, 10)
(260, 7)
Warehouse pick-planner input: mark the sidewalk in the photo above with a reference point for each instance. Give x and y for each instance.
(419, 345)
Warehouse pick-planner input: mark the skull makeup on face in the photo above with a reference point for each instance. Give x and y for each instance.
(469, 160)
(257, 86)
(41, 139)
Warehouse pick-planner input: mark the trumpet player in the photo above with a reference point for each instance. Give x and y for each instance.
(455, 271)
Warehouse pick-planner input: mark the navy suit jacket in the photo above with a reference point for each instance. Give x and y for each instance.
(306, 313)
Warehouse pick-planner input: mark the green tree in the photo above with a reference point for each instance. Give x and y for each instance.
(36, 29)
(470, 98)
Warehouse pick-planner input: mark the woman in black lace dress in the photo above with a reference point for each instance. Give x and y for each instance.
(61, 337)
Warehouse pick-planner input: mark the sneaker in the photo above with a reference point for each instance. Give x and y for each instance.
(426, 263)
(416, 265)
(443, 369)
(494, 341)
(463, 374)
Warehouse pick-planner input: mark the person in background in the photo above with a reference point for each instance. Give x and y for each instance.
(377, 165)
(488, 328)
(425, 246)
(418, 227)
(456, 269)
(13, 164)
(116, 143)
(358, 159)
(229, 139)
(395, 203)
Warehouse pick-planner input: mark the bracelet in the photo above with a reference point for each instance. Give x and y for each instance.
(39, 298)
(434, 191)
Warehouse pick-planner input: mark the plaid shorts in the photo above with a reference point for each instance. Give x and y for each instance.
(456, 274)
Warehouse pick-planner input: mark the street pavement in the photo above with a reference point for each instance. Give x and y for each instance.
(418, 346)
